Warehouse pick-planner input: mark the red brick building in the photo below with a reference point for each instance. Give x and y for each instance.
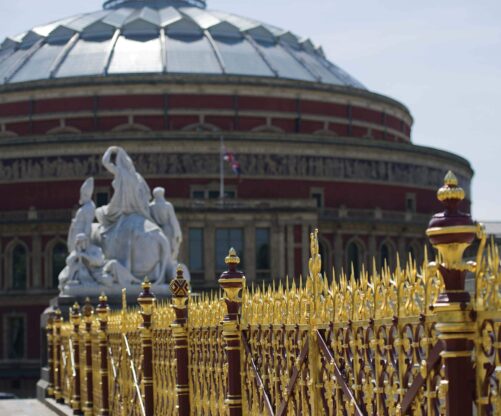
(166, 80)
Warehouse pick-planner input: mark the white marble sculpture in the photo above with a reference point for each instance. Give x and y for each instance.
(131, 239)
(164, 215)
(82, 223)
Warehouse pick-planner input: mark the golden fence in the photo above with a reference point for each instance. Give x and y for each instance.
(406, 341)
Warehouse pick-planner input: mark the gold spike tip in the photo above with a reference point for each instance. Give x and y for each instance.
(450, 190)
(450, 179)
(232, 257)
(179, 272)
(103, 298)
(75, 308)
(146, 285)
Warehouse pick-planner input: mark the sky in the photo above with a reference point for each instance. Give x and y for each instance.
(442, 59)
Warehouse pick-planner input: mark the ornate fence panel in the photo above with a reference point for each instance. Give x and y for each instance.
(97, 391)
(488, 338)
(164, 360)
(410, 341)
(206, 355)
(67, 364)
(125, 355)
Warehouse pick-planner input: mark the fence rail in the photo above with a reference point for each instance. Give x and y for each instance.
(407, 341)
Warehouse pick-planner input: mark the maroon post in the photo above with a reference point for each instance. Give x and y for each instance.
(88, 312)
(103, 313)
(232, 282)
(50, 353)
(180, 291)
(146, 300)
(451, 232)
(58, 320)
(75, 319)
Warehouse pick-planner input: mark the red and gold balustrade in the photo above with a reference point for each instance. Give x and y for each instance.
(388, 342)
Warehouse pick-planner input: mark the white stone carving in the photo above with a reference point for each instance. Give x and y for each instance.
(164, 215)
(82, 223)
(131, 239)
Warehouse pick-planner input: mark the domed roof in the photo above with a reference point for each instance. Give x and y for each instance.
(163, 36)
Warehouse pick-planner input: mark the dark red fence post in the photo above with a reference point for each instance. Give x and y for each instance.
(103, 313)
(50, 353)
(180, 291)
(88, 312)
(451, 232)
(58, 320)
(76, 318)
(232, 281)
(146, 300)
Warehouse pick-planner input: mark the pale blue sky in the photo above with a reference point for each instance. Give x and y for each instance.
(441, 59)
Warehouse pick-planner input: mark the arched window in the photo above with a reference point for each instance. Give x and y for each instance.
(384, 256)
(354, 257)
(415, 252)
(19, 267)
(59, 254)
(325, 253)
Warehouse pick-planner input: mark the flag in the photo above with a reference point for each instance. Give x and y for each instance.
(233, 162)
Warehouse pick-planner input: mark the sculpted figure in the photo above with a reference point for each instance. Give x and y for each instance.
(82, 223)
(84, 265)
(164, 215)
(131, 240)
(131, 193)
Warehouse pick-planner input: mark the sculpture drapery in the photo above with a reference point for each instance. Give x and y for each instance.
(131, 239)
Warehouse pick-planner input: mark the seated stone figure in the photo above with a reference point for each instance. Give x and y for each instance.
(84, 265)
(126, 232)
(164, 215)
(82, 223)
(131, 193)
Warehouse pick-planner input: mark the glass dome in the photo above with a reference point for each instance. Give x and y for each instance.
(163, 37)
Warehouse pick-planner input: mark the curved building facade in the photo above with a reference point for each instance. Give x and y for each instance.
(170, 81)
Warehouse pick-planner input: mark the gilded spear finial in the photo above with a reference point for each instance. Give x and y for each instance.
(451, 189)
(232, 257)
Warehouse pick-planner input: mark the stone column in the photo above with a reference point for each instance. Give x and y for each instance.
(305, 249)
(180, 291)
(401, 251)
(36, 263)
(210, 251)
(373, 252)
(290, 251)
(232, 281)
(451, 232)
(278, 260)
(338, 252)
(147, 301)
(183, 250)
(250, 250)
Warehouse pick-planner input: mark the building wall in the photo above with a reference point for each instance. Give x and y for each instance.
(318, 156)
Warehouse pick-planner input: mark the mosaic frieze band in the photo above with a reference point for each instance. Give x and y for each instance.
(269, 165)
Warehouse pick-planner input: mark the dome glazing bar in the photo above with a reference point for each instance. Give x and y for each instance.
(163, 36)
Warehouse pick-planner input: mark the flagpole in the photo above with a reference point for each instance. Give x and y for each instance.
(221, 169)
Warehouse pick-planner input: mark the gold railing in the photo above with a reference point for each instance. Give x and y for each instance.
(407, 341)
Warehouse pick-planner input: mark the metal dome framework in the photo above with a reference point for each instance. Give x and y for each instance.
(163, 37)
(111, 4)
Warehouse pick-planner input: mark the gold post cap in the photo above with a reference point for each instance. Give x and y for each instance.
(451, 188)
(146, 285)
(232, 257)
(103, 298)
